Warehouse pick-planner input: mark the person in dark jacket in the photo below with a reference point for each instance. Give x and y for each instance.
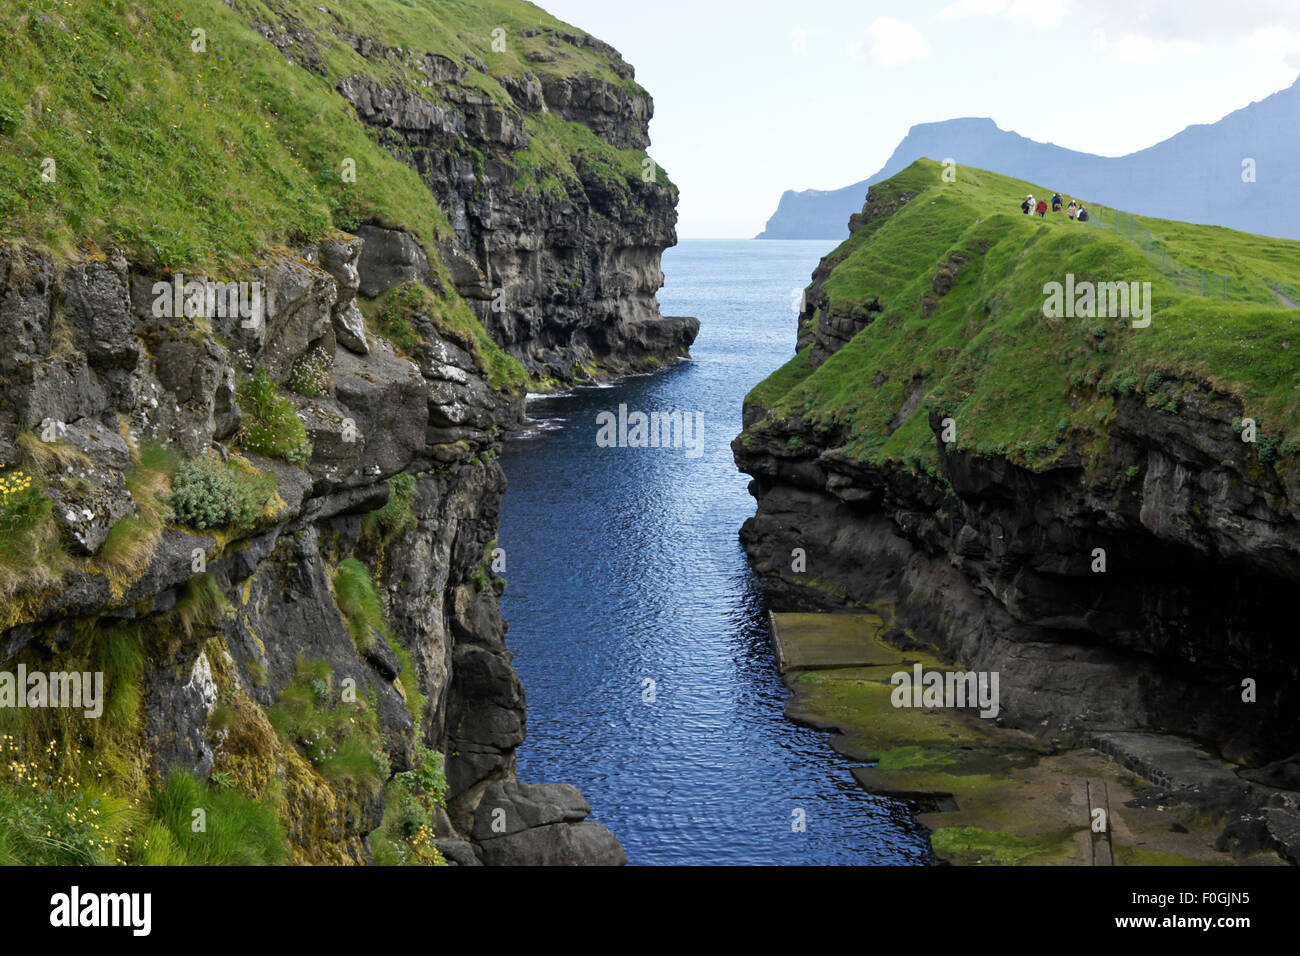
(1027, 206)
(1056, 203)
(1082, 215)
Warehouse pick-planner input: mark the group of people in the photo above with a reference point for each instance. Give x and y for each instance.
(1075, 210)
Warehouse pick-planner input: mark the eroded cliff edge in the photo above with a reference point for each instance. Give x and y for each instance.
(942, 451)
(274, 532)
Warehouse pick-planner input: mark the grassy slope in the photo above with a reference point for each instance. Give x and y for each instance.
(195, 159)
(1014, 381)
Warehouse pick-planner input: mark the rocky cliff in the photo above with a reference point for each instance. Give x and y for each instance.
(248, 462)
(1077, 505)
(562, 273)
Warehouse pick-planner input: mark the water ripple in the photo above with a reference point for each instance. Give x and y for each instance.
(624, 568)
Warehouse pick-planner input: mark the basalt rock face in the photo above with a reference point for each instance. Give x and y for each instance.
(1142, 588)
(93, 373)
(563, 276)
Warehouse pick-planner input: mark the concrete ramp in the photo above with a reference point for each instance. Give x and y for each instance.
(822, 641)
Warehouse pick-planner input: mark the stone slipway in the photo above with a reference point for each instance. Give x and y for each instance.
(994, 795)
(824, 641)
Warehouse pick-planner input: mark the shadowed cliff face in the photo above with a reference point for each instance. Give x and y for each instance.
(563, 273)
(89, 363)
(997, 564)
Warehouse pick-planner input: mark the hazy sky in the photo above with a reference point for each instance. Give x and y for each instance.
(753, 97)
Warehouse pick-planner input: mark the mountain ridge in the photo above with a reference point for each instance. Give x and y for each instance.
(1196, 175)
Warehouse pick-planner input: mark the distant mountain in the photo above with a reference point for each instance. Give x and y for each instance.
(1194, 176)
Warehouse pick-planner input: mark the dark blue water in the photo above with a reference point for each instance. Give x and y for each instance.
(624, 567)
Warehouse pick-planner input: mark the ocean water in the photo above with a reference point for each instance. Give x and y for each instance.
(637, 627)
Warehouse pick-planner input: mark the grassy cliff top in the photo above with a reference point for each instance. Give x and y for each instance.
(1015, 381)
(114, 130)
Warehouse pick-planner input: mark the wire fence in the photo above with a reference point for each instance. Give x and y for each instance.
(1189, 280)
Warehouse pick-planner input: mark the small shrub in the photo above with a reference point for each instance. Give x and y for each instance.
(1153, 382)
(272, 426)
(207, 493)
(310, 375)
(406, 836)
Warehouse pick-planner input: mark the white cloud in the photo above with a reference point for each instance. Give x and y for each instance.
(1195, 20)
(1144, 31)
(1277, 41)
(1132, 48)
(890, 43)
(1040, 14)
(1153, 19)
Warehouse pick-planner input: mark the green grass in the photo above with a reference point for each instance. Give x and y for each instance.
(979, 846)
(1014, 382)
(399, 312)
(29, 541)
(397, 514)
(562, 155)
(185, 158)
(359, 603)
(202, 604)
(340, 739)
(113, 93)
(231, 830)
(77, 791)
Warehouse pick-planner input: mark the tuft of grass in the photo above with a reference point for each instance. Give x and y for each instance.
(202, 604)
(359, 603)
(340, 739)
(397, 514)
(132, 541)
(235, 830)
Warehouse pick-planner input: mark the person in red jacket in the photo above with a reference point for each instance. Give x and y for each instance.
(1041, 208)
